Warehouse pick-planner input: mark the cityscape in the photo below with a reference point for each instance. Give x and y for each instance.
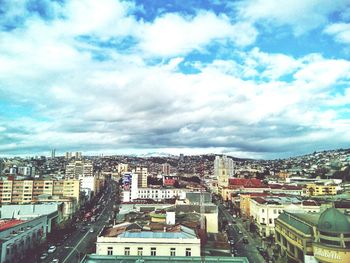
(145, 131)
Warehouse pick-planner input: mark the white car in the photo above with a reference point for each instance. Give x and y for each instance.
(43, 255)
(55, 260)
(51, 249)
(91, 230)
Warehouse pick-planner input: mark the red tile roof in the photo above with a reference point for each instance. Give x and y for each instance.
(245, 182)
(5, 224)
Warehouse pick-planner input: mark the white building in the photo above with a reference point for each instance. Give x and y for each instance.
(131, 239)
(20, 237)
(265, 210)
(157, 194)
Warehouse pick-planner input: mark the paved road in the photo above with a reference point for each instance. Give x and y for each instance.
(244, 250)
(81, 242)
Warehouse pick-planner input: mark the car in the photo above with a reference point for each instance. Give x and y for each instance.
(91, 230)
(51, 249)
(240, 232)
(260, 249)
(245, 240)
(55, 260)
(43, 256)
(83, 229)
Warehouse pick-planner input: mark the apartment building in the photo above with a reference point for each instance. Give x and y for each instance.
(28, 191)
(142, 173)
(78, 169)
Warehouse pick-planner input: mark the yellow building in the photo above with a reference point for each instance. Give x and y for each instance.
(320, 189)
(322, 237)
(28, 191)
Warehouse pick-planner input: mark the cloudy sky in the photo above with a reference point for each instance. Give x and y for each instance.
(255, 78)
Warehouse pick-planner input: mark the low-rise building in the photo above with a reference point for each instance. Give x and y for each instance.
(19, 237)
(320, 189)
(314, 237)
(265, 210)
(131, 239)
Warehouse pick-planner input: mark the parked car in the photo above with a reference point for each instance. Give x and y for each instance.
(51, 249)
(43, 256)
(245, 240)
(55, 260)
(91, 230)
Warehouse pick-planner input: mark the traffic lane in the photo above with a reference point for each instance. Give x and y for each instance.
(85, 241)
(61, 252)
(248, 250)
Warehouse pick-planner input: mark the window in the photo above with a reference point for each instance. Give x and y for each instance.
(153, 251)
(172, 252)
(274, 211)
(270, 221)
(139, 251)
(110, 251)
(188, 252)
(127, 251)
(262, 210)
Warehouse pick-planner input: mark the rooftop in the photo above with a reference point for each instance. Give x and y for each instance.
(245, 182)
(134, 230)
(136, 259)
(294, 220)
(6, 224)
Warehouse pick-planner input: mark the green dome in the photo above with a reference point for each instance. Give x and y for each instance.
(333, 221)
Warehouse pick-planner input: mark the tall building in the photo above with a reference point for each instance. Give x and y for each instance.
(166, 168)
(78, 169)
(223, 169)
(142, 173)
(53, 153)
(76, 155)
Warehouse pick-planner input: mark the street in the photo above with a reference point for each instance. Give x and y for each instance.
(239, 233)
(83, 239)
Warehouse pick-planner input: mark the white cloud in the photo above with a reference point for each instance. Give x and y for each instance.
(301, 15)
(124, 102)
(173, 34)
(340, 31)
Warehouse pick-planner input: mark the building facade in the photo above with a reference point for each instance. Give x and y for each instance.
(124, 240)
(265, 210)
(28, 191)
(315, 237)
(19, 237)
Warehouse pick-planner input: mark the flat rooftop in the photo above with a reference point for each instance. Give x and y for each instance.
(136, 259)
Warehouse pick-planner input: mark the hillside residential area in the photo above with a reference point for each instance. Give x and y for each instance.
(77, 208)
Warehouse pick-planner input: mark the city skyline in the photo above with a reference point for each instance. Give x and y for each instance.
(251, 79)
